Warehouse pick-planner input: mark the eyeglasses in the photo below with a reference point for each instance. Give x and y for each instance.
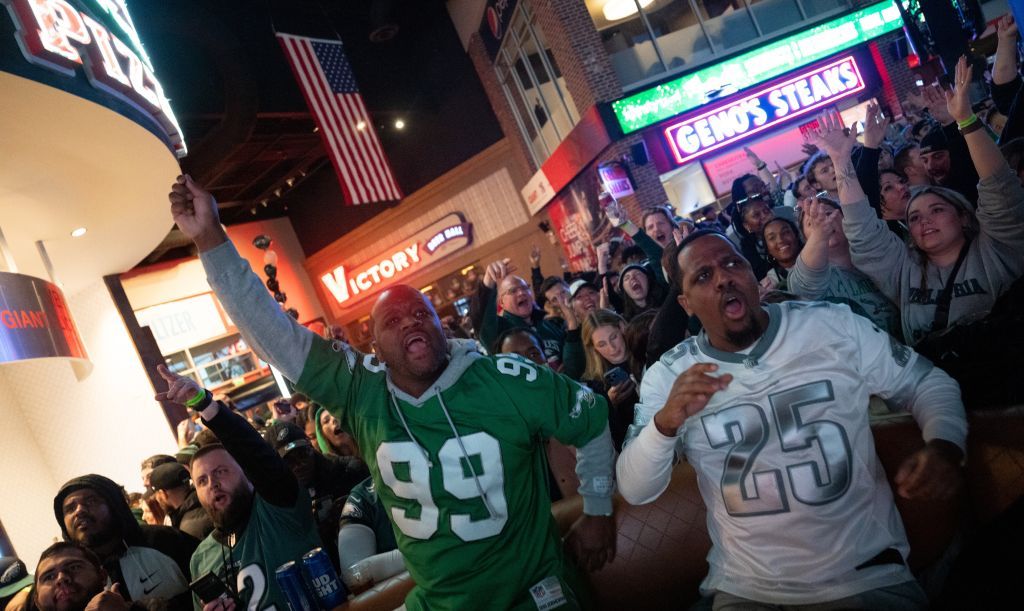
(516, 290)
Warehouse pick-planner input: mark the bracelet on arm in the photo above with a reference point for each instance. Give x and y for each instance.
(969, 121)
(973, 127)
(763, 165)
(200, 401)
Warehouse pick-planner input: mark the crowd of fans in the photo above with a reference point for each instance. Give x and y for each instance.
(430, 456)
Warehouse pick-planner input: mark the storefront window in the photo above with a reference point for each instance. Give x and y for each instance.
(648, 39)
(214, 363)
(534, 86)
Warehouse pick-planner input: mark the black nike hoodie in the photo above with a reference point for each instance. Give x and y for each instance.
(152, 563)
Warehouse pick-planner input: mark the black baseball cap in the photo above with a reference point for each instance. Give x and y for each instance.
(168, 475)
(286, 436)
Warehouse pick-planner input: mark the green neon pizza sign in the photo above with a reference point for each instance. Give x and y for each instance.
(688, 92)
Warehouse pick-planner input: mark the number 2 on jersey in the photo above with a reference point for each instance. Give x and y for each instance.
(458, 480)
(745, 428)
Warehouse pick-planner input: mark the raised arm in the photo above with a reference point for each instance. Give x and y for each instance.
(984, 151)
(273, 334)
(876, 251)
(267, 471)
(1004, 69)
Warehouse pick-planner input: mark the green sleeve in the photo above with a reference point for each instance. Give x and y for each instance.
(551, 403)
(330, 374)
(653, 252)
(491, 325)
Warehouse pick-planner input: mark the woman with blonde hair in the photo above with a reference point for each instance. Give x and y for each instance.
(609, 371)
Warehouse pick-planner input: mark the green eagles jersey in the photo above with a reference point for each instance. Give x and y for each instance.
(468, 496)
(273, 536)
(363, 507)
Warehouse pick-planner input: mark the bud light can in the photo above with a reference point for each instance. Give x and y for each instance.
(293, 586)
(329, 590)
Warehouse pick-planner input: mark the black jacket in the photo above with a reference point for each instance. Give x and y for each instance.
(191, 518)
(153, 562)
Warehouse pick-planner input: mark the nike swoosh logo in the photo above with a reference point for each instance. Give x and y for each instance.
(146, 591)
(146, 578)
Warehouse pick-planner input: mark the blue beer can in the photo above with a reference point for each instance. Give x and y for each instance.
(293, 586)
(329, 590)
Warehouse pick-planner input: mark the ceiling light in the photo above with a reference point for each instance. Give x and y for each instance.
(361, 125)
(399, 124)
(290, 182)
(77, 233)
(615, 10)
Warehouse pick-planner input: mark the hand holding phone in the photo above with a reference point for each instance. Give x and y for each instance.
(209, 588)
(615, 376)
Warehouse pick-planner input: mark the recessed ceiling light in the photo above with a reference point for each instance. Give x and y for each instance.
(361, 125)
(399, 124)
(615, 10)
(77, 233)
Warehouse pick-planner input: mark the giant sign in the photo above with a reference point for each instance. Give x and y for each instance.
(35, 321)
(98, 38)
(351, 284)
(736, 119)
(660, 102)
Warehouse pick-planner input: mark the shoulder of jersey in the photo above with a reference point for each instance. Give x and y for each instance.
(686, 347)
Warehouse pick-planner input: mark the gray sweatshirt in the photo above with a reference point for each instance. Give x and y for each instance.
(840, 285)
(994, 260)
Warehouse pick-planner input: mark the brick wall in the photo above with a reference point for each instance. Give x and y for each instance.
(576, 46)
(506, 119)
(900, 75)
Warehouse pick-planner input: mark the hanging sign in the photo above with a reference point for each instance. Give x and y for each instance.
(35, 321)
(351, 284)
(737, 119)
(98, 38)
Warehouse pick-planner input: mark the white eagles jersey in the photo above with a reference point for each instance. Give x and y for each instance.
(786, 464)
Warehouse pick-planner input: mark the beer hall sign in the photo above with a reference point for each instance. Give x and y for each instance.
(351, 284)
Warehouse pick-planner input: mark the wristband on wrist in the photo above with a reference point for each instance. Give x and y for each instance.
(969, 121)
(763, 165)
(629, 227)
(200, 398)
(973, 127)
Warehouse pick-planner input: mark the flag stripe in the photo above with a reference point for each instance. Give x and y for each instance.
(380, 163)
(333, 124)
(294, 54)
(329, 87)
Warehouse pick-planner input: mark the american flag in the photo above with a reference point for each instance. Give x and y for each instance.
(326, 79)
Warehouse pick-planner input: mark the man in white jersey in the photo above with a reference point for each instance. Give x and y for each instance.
(769, 404)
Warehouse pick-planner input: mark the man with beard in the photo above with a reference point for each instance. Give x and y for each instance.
(70, 578)
(769, 404)
(263, 518)
(453, 439)
(149, 562)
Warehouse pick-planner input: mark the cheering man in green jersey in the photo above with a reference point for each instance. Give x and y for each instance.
(453, 439)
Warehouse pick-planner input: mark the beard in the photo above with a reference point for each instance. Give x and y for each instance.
(95, 538)
(747, 335)
(237, 510)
